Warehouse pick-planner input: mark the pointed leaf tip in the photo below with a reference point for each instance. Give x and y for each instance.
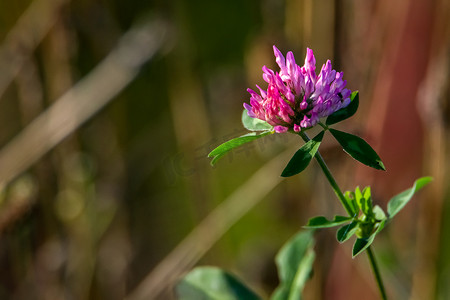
(226, 147)
(303, 156)
(398, 202)
(359, 246)
(362, 244)
(358, 148)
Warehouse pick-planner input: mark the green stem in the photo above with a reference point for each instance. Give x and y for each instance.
(349, 210)
(376, 272)
(330, 178)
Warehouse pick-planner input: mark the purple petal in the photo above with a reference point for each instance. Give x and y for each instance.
(262, 92)
(310, 60)
(303, 105)
(305, 123)
(298, 93)
(249, 110)
(280, 129)
(279, 58)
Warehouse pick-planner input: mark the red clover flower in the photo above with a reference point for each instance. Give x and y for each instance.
(296, 98)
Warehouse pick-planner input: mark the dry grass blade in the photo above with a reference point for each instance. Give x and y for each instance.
(211, 229)
(25, 36)
(83, 100)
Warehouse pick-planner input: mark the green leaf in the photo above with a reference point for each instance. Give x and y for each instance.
(254, 124)
(210, 283)
(366, 193)
(294, 262)
(367, 206)
(379, 213)
(358, 148)
(303, 156)
(362, 244)
(359, 246)
(359, 198)
(322, 222)
(346, 231)
(346, 112)
(399, 201)
(351, 201)
(236, 142)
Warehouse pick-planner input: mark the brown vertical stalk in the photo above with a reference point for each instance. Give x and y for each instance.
(189, 115)
(394, 126)
(25, 36)
(433, 97)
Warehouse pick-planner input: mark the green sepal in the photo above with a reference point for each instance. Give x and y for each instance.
(358, 148)
(346, 231)
(346, 112)
(210, 283)
(322, 222)
(221, 150)
(254, 124)
(362, 244)
(400, 200)
(303, 156)
(294, 262)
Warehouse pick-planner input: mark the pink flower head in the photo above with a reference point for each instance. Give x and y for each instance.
(296, 98)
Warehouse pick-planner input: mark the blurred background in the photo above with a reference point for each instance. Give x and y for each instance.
(109, 109)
